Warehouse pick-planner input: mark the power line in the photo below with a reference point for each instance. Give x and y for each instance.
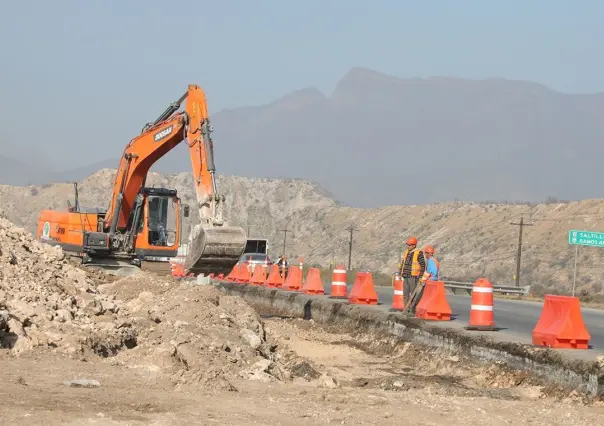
(521, 226)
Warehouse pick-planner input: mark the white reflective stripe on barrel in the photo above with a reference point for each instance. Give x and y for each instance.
(481, 308)
(338, 283)
(398, 292)
(339, 271)
(483, 289)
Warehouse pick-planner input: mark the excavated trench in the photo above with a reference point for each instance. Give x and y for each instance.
(557, 375)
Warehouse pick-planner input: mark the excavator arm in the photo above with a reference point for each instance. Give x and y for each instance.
(213, 245)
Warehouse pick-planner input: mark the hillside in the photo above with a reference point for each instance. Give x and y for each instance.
(471, 239)
(475, 140)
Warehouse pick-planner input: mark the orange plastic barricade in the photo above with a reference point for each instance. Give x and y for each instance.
(356, 286)
(481, 309)
(398, 297)
(313, 284)
(175, 269)
(363, 292)
(561, 324)
(233, 274)
(433, 304)
(293, 282)
(274, 277)
(244, 274)
(259, 275)
(338, 283)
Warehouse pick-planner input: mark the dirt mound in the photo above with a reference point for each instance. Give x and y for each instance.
(197, 334)
(47, 302)
(194, 334)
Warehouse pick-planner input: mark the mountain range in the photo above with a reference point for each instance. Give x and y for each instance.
(381, 140)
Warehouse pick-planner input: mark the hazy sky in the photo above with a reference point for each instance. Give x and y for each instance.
(81, 77)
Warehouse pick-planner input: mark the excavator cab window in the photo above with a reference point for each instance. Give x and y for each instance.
(161, 220)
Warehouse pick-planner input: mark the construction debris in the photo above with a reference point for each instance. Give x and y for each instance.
(46, 302)
(194, 333)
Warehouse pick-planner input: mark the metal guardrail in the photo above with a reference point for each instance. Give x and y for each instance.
(467, 287)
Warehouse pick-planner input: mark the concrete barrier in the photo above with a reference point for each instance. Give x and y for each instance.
(550, 366)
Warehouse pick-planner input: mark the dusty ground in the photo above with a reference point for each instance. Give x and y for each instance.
(339, 383)
(164, 352)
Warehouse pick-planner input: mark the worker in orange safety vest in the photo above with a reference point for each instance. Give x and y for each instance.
(412, 267)
(430, 274)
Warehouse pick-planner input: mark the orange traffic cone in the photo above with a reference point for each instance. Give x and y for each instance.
(313, 284)
(481, 309)
(398, 298)
(338, 283)
(274, 277)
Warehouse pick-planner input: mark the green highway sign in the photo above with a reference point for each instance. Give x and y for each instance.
(586, 238)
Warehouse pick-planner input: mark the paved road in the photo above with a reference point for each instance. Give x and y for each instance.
(515, 318)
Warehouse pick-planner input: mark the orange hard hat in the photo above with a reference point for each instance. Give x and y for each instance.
(429, 249)
(411, 241)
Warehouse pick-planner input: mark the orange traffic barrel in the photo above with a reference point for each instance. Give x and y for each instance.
(481, 309)
(338, 283)
(398, 298)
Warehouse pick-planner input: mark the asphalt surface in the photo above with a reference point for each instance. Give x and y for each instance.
(514, 318)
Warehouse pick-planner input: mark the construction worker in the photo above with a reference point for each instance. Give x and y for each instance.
(430, 274)
(432, 265)
(283, 265)
(412, 268)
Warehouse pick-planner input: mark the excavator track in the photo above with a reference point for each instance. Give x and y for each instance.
(214, 249)
(112, 266)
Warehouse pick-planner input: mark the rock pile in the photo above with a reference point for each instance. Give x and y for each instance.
(191, 334)
(198, 335)
(44, 300)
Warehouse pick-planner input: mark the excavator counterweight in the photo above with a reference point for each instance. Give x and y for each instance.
(146, 223)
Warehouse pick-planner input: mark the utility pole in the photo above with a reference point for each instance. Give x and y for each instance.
(521, 225)
(351, 230)
(285, 231)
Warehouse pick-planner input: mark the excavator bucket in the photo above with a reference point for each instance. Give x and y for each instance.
(214, 249)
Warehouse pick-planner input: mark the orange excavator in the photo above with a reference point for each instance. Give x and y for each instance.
(144, 222)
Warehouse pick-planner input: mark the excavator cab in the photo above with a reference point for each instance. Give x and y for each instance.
(159, 227)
